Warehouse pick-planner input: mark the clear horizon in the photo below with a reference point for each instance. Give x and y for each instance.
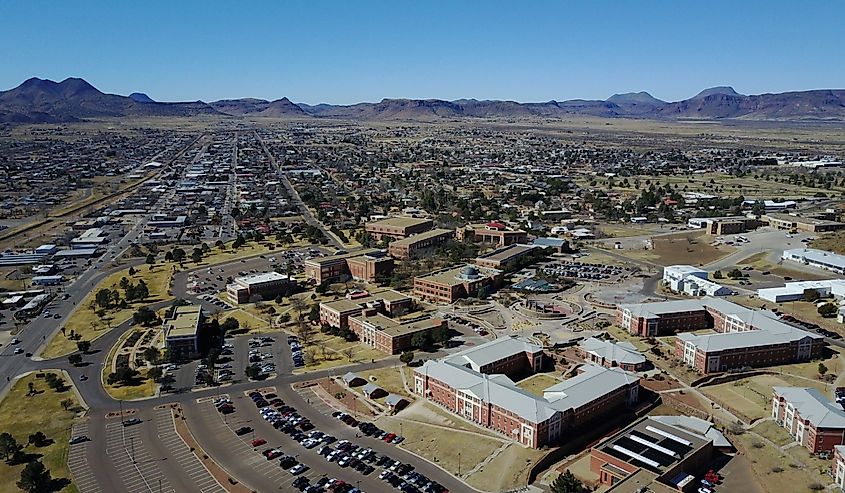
(345, 53)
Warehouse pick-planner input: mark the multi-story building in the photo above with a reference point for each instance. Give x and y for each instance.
(612, 354)
(817, 258)
(470, 385)
(493, 232)
(367, 265)
(792, 291)
(336, 313)
(504, 258)
(397, 228)
(743, 338)
(839, 465)
(657, 454)
(811, 419)
(417, 245)
(264, 286)
(181, 332)
(388, 335)
(450, 285)
(718, 226)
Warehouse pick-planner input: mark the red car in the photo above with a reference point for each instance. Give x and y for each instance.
(258, 442)
(389, 437)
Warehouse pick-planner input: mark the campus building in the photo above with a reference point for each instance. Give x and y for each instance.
(789, 222)
(820, 259)
(417, 245)
(692, 281)
(450, 285)
(792, 291)
(367, 265)
(388, 335)
(810, 418)
(336, 313)
(181, 332)
(265, 286)
(504, 258)
(839, 465)
(476, 385)
(718, 226)
(397, 228)
(612, 354)
(657, 454)
(493, 232)
(743, 337)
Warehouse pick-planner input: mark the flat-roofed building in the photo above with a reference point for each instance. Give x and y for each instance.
(398, 227)
(725, 225)
(388, 335)
(493, 232)
(336, 313)
(467, 384)
(810, 418)
(450, 285)
(366, 265)
(264, 286)
(660, 454)
(819, 259)
(692, 281)
(417, 245)
(91, 237)
(789, 222)
(792, 291)
(181, 332)
(505, 258)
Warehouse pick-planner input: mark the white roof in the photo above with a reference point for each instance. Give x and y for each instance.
(682, 270)
(621, 352)
(493, 351)
(817, 256)
(797, 288)
(261, 277)
(813, 406)
(696, 427)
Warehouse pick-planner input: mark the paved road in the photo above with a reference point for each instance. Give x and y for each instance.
(294, 195)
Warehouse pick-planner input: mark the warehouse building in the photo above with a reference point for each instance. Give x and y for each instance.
(817, 258)
(792, 291)
(810, 418)
(397, 228)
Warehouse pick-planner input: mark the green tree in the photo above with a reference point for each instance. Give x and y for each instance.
(8, 446)
(35, 478)
(827, 310)
(151, 259)
(124, 376)
(252, 372)
(568, 483)
(75, 359)
(103, 298)
(406, 357)
(39, 439)
(421, 340)
(196, 255)
(152, 355)
(155, 373)
(822, 369)
(811, 295)
(83, 346)
(144, 316)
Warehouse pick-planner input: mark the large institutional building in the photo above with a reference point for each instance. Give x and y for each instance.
(493, 232)
(415, 246)
(367, 265)
(450, 285)
(810, 418)
(743, 338)
(816, 258)
(397, 228)
(181, 331)
(336, 313)
(476, 385)
(266, 285)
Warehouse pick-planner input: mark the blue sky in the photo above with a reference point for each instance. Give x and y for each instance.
(356, 50)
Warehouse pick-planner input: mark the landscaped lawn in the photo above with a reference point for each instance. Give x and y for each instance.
(390, 379)
(21, 416)
(85, 321)
(145, 388)
(506, 471)
(536, 384)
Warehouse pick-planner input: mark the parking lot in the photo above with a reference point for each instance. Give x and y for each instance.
(138, 469)
(195, 471)
(77, 461)
(579, 270)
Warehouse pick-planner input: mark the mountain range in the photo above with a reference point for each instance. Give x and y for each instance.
(45, 101)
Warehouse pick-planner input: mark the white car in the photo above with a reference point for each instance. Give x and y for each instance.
(298, 469)
(15, 341)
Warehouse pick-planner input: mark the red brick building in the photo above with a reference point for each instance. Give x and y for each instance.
(336, 313)
(397, 228)
(810, 418)
(368, 265)
(415, 246)
(450, 285)
(493, 232)
(475, 385)
(388, 335)
(744, 338)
